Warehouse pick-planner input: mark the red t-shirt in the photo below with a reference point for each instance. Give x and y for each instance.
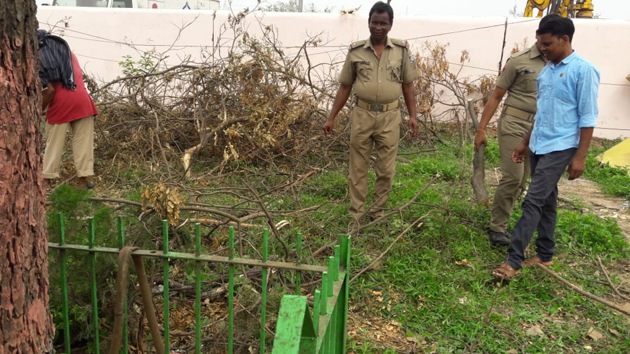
(68, 105)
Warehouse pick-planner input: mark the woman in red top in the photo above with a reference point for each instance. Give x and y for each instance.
(68, 105)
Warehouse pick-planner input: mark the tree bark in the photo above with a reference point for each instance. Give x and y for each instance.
(25, 322)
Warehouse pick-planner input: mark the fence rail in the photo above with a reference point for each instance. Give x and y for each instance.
(299, 329)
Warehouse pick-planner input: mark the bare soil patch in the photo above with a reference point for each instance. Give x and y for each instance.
(588, 194)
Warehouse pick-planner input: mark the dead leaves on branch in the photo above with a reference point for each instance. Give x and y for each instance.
(442, 89)
(164, 200)
(247, 102)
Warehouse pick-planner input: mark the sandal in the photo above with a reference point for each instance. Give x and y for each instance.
(536, 260)
(83, 182)
(505, 272)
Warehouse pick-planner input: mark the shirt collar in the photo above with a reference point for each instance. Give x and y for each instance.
(368, 43)
(564, 61)
(533, 53)
(570, 58)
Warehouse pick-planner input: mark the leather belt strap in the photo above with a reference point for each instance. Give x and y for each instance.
(377, 107)
(519, 113)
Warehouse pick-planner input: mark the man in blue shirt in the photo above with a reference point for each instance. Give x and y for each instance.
(559, 140)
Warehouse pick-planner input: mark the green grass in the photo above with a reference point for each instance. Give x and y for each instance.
(441, 274)
(435, 282)
(614, 181)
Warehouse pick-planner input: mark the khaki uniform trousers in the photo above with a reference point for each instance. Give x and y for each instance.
(512, 129)
(380, 130)
(82, 147)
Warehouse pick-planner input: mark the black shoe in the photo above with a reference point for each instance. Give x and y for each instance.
(499, 238)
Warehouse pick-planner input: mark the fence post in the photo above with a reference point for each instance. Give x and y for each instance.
(198, 288)
(298, 275)
(231, 292)
(263, 305)
(294, 331)
(92, 266)
(165, 285)
(64, 285)
(121, 245)
(344, 260)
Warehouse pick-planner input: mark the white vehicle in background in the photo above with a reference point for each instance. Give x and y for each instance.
(136, 4)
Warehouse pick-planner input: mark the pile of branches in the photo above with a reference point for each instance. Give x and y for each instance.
(248, 101)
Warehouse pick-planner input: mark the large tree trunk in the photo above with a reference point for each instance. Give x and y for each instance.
(25, 321)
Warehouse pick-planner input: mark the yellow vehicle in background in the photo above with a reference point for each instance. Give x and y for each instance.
(564, 8)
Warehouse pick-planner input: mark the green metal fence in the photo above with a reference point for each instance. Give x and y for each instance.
(299, 328)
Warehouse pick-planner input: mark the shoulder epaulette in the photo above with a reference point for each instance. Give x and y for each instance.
(524, 51)
(400, 43)
(357, 44)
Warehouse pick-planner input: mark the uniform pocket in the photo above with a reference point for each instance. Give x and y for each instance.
(363, 70)
(394, 68)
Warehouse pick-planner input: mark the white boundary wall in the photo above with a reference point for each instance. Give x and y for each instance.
(101, 37)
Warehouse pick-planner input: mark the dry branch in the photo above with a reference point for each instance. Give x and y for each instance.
(402, 207)
(601, 266)
(478, 179)
(582, 292)
(417, 221)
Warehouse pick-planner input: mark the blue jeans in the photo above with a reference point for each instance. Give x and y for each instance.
(539, 207)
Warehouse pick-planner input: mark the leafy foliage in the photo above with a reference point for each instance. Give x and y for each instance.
(614, 180)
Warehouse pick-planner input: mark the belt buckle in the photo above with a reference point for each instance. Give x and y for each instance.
(376, 107)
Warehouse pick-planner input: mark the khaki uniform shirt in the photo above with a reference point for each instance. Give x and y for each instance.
(519, 79)
(374, 80)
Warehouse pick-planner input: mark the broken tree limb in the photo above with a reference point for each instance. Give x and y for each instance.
(404, 206)
(274, 230)
(478, 179)
(582, 292)
(371, 265)
(612, 286)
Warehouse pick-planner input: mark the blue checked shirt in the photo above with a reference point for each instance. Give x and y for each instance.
(567, 101)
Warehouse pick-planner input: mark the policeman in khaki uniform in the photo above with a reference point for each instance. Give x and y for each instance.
(518, 79)
(381, 70)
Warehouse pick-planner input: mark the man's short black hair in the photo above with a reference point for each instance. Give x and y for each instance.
(557, 26)
(381, 7)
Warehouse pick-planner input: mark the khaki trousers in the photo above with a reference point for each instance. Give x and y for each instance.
(513, 175)
(82, 147)
(380, 130)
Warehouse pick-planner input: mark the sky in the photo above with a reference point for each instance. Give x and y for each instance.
(609, 9)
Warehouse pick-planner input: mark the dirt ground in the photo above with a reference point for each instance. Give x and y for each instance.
(587, 193)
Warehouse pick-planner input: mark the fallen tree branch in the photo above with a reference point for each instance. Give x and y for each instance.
(478, 179)
(274, 230)
(404, 206)
(376, 221)
(234, 219)
(484, 322)
(388, 248)
(582, 292)
(610, 281)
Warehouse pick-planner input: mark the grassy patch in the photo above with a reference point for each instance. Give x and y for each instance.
(441, 275)
(433, 289)
(614, 181)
